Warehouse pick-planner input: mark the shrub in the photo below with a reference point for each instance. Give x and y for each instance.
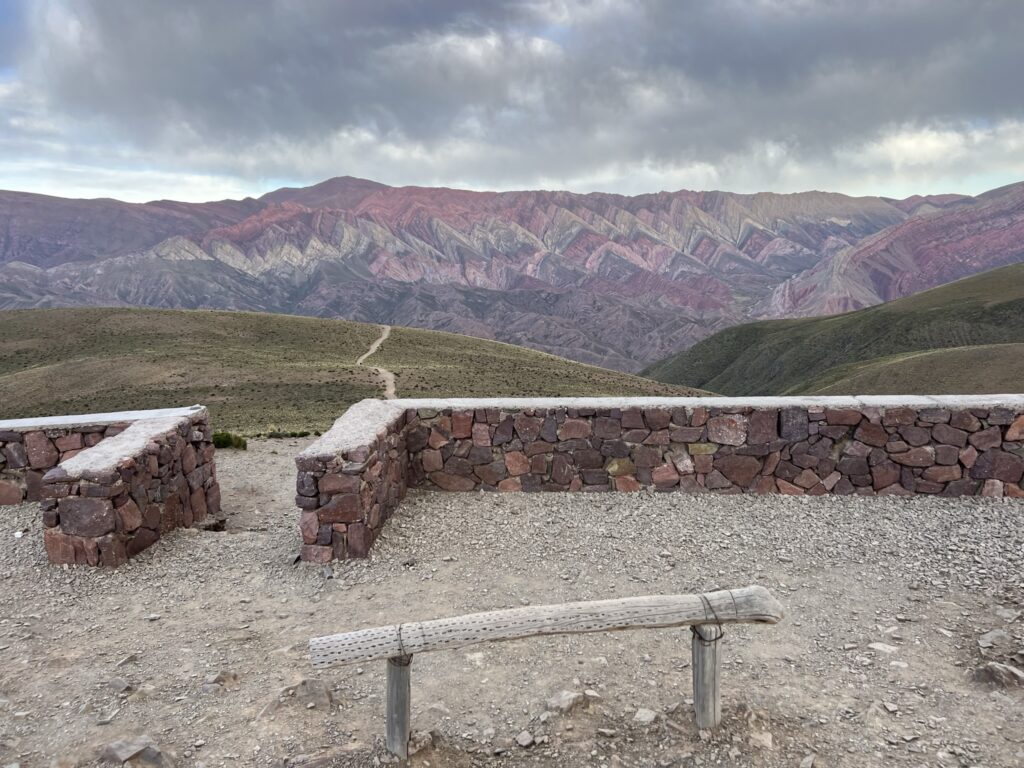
(229, 440)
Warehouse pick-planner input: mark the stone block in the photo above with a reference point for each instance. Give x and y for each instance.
(727, 430)
(923, 456)
(986, 439)
(449, 482)
(947, 435)
(343, 508)
(740, 470)
(998, 465)
(315, 553)
(793, 424)
(871, 434)
(86, 517)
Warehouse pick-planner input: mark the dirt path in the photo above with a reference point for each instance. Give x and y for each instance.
(387, 377)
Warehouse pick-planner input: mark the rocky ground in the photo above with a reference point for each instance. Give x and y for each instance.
(199, 644)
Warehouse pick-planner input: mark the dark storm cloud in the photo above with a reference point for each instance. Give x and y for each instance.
(521, 93)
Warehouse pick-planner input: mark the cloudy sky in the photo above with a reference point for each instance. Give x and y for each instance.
(205, 99)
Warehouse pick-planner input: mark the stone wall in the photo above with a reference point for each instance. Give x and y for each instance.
(122, 480)
(347, 492)
(950, 446)
(30, 447)
(26, 455)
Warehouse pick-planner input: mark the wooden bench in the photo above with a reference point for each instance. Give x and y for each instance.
(703, 613)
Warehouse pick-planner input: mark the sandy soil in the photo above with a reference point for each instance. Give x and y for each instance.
(90, 656)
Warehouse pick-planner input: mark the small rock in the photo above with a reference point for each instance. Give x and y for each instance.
(1005, 675)
(119, 685)
(152, 617)
(224, 679)
(608, 733)
(565, 701)
(883, 647)
(808, 762)
(997, 638)
(645, 716)
(123, 750)
(524, 739)
(420, 740)
(761, 739)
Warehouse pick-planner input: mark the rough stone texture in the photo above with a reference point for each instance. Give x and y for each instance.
(867, 446)
(120, 486)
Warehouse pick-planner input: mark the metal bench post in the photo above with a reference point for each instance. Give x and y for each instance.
(707, 663)
(398, 705)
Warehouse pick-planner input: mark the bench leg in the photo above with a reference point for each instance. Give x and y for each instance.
(707, 662)
(398, 701)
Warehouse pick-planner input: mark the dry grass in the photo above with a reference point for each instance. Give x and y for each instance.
(259, 372)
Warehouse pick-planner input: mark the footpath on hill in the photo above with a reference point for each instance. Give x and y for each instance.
(387, 377)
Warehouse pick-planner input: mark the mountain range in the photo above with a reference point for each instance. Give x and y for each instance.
(966, 337)
(600, 278)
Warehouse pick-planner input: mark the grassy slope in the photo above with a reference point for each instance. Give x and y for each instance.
(978, 322)
(259, 372)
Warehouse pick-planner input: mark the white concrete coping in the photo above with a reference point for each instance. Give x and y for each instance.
(360, 424)
(87, 419)
(128, 444)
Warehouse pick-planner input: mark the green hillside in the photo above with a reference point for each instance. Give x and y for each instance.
(261, 372)
(962, 338)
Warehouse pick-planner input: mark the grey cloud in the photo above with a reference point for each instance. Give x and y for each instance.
(507, 93)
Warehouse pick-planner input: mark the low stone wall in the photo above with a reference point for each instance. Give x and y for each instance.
(348, 489)
(950, 446)
(122, 480)
(30, 447)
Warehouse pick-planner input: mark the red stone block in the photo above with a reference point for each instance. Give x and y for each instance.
(510, 484)
(86, 517)
(432, 460)
(741, 470)
(462, 424)
(986, 439)
(517, 463)
(728, 430)
(872, 434)
(70, 442)
(571, 429)
(449, 482)
(1015, 431)
(846, 417)
(198, 502)
(314, 553)
(129, 516)
(528, 427)
(992, 489)
(627, 483)
(343, 508)
(481, 435)
(665, 476)
(788, 488)
(10, 494)
(359, 540)
(942, 474)
(42, 454)
(333, 482)
(923, 456)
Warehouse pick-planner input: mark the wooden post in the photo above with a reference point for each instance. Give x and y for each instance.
(398, 705)
(707, 662)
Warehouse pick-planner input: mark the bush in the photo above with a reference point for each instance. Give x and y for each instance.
(229, 440)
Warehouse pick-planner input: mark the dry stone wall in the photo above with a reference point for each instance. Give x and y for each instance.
(950, 446)
(26, 455)
(109, 485)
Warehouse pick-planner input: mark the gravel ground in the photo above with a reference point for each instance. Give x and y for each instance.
(90, 656)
